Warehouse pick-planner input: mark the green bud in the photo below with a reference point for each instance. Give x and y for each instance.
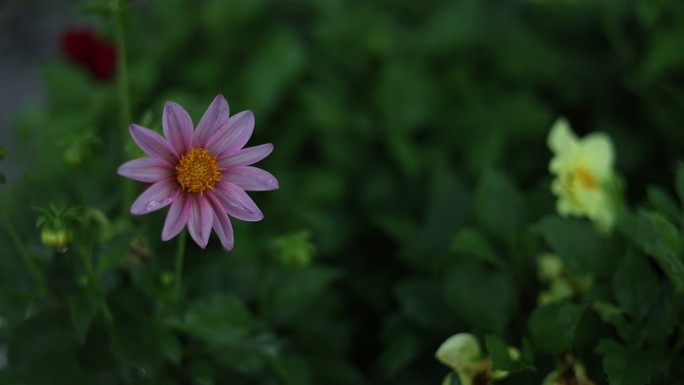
(295, 250)
(167, 278)
(58, 224)
(550, 266)
(56, 238)
(83, 281)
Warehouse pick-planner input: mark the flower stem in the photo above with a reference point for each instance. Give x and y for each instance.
(122, 79)
(28, 261)
(122, 91)
(180, 254)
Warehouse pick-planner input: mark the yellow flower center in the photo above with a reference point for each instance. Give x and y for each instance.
(585, 177)
(198, 171)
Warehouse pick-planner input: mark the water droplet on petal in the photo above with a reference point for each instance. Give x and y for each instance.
(152, 205)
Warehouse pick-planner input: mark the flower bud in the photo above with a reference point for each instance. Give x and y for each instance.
(295, 250)
(56, 238)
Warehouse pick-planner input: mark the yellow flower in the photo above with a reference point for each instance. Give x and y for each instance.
(584, 173)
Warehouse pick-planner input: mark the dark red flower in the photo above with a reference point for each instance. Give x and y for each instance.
(90, 52)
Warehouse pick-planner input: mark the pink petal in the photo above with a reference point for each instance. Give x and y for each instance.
(149, 170)
(247, 156)
(157, 196)
(250, 178)
(177, 127)
(215, 116)
(237, 203)
(201, 219)
(232, 135)
(153, 144)
(177, 218)
(222, 225)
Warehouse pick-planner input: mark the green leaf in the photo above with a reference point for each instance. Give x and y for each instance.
(423, 302)
(3, 151)
(636, 286)
(48, 331)
(484, 297)
(577, 243)
(171, 347)
(679, 182)
(552, 327)
(625, 366)
(300, 290)
(660, 239)
(499, 206)
(663, 202)
(219, 319)
(473, 243)
(293, 370)
(83, 307)
(402, 346)
(498, 352)
(264, 83)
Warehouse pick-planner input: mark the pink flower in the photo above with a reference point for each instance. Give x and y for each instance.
(203, 174)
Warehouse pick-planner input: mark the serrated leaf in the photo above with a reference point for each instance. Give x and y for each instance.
(473, 243)
(625, 366)
(660, 239)
(171, 347)
(636, 286)
(219, 319)
(498, 353)
(552, 327)
(499, 206)
(422, 301)
(83, 307)
(484, 297)
(577, 243)
(679, 182)
(663, 202)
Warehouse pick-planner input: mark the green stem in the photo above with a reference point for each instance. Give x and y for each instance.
(264, 286)
(86, 255)
(123, 92)
(180, 254)
(28, 261)
(122, 80)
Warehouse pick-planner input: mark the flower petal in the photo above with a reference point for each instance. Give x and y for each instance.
(247, 156)
(598, 153)
(237, 203)
(153, 144)
(177, 127)
(561, 138)
(201, 219)
(222, 225)
(250, 178)
(232, 135)
(215, 116)
(177, 218)
(157, 196)
(149, 170)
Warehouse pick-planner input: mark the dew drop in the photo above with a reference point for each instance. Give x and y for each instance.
(155, 204)
(152, 205)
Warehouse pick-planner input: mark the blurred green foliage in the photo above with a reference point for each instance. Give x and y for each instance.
(410, 147)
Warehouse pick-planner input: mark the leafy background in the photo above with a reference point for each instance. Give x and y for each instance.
(410, 147)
